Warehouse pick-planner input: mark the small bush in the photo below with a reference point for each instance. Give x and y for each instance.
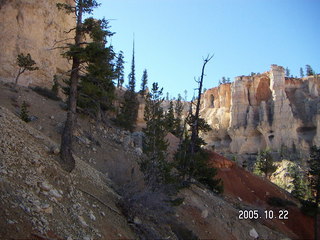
(46, 93)
(279, 202)
(24, 112)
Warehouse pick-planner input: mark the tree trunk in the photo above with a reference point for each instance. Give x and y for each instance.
(17, 77)
(195, 127)
(67, 160)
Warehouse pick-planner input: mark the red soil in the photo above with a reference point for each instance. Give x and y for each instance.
(244, 186)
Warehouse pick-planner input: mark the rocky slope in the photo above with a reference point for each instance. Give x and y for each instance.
(262, 111)
(39, 200)
(35, 27)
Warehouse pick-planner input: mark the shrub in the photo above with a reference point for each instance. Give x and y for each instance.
(24, 112)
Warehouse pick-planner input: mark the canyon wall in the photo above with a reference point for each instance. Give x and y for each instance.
(263, 111)
(35, 27)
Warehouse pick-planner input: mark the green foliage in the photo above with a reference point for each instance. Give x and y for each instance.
(86, 5)
(309, 70)
(95, 88)
(24, 114)
(197, 166)
(301, 72)
(300, 184)
(128, 111)
(119, 71)
(156, 169)
(265, 164)
(132, 75)
(178, 112)
(170, 119)
(144, 82)
(55, 86)
(26, 63)
(287, 72)
(314, 173)
(46, 93)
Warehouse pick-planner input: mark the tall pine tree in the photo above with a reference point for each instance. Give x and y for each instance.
(129, 110)
(154, 166)
(76, 53)
(96, 88)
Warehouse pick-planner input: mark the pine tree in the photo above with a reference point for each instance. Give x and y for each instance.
(265, 163)
(76, 53)
(144, 82)
(287, 72)
(169, 119)
(309, 70)
(178, 120)
(314, 172)
(301, 72)
(129, 110)
(299, 184)
(120, 69)
(132, 74)
(24, 114)
(25, 63)
(155, 167)
(96, 88)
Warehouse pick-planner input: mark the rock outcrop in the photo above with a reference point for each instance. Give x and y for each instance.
(262, 111)
(35, 27)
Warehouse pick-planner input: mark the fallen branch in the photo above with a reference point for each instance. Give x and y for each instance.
(104, 204)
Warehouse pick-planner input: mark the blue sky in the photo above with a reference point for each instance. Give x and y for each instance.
(173, 36)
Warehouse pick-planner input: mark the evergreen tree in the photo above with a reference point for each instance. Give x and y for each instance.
(314, 173)
(132, 74)
(301, 72)
(309, 70)
(265, 163)
(120, 69)
(287, 72)
(96, 88)
(25, 63)
(144, 82)
(170, 120)
(129, 110)
(24, 114)
(186, 95)
(155, 167)
(76, 53)
(299, 190)
(178, 120)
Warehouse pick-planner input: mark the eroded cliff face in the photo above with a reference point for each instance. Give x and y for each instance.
(264, 111)
(35, 27)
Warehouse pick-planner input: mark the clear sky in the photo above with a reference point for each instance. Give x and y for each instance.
(173, 36)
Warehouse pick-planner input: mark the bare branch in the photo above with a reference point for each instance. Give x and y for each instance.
(72, 29)
(55, 42)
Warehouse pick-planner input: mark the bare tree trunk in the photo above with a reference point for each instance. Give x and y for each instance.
(67, 159)
(195, 126)
(17, 77)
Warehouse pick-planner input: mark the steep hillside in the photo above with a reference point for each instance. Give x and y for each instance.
(39, 199)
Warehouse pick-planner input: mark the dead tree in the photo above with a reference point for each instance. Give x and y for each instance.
(195, 117)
